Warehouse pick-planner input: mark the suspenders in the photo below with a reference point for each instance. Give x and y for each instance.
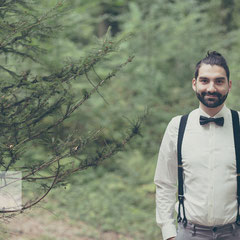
(181, 131)
(236, 133)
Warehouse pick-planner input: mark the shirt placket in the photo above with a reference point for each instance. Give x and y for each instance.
(212, 128)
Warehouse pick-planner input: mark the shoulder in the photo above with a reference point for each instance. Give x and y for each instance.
(234, 114)
(237, 112)
(233, 110)
(175, 121)
(173, 125)
(172, 129)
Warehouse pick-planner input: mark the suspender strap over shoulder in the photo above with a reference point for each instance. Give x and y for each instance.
(236, 134)
(181, 131)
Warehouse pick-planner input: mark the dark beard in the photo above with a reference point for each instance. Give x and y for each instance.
(214, 102)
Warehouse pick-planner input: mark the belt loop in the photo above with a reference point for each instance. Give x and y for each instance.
(233, 228)
(194, 230)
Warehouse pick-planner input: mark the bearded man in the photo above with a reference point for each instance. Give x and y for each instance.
(201, 155)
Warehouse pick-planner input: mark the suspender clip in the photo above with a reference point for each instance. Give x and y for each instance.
(181, 199)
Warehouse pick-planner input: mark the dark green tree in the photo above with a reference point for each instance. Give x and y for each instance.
(36, 101)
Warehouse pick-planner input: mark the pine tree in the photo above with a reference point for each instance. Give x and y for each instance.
(35, 103)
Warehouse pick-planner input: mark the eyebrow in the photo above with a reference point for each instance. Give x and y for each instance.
(217, 78)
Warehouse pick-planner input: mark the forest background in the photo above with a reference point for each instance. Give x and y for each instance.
(167, 38)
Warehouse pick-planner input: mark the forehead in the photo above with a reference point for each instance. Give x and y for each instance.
(211, 71)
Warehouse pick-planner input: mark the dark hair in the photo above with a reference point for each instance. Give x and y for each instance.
(213, 58)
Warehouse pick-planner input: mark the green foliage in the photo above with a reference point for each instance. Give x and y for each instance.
(35, 102)
(119, 199)
(167, 39)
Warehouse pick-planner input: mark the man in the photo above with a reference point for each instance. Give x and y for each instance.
(208, 162)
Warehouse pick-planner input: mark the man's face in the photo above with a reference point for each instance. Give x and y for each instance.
(211, 85)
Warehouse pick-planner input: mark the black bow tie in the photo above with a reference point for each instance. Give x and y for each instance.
(204, 120)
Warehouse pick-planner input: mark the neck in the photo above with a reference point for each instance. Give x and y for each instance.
(211, 111)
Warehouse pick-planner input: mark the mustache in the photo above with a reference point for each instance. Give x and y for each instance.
(211, 94)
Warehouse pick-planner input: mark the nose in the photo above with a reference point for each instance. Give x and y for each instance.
(211, 87)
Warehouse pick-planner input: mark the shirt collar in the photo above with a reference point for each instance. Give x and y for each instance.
(223, 112)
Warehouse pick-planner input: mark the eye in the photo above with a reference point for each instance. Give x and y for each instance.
(203, 80)
(219, 81)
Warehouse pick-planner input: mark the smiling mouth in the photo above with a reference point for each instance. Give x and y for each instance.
(211, 96)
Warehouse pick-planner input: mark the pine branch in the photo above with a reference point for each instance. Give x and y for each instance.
(76, 106)
(29, 101)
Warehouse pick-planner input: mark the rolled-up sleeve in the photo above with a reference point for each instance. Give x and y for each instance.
(166, 180)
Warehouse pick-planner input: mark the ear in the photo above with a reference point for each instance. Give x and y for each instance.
(194, 82)
(230, 85)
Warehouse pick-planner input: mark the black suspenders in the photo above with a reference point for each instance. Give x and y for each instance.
(236, 133)
(181, 131)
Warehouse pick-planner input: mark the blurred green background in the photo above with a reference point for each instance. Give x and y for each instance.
(167, 37)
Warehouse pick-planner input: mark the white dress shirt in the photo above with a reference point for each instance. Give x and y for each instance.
(209, 163)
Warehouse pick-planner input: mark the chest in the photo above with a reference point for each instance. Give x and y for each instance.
(208, 147)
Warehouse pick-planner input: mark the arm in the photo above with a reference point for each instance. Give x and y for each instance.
(166, 179)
